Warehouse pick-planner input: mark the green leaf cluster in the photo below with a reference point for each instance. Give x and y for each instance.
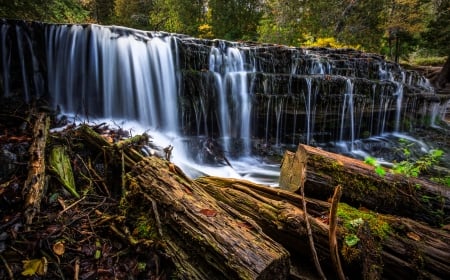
(413, 168)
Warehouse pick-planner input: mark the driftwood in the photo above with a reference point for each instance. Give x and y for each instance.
(390, 247)
(410, 197)
(203, 240)
(35, 183)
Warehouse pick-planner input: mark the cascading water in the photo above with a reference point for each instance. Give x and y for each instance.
(348, 113)
(248, 98)
(227, 65)
(96, 71)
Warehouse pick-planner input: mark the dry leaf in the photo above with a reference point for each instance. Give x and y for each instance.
(59, 248)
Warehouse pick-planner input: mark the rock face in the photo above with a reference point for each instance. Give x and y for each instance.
(246, 96)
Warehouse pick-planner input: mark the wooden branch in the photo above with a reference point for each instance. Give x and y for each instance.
(332, 234)
(310, 235)
(35, 183)
(414, 198)
(203, 240)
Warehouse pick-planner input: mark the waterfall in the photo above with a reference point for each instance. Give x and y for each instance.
(227, 64)
(255, 100)
(96, 71)
(348, 115)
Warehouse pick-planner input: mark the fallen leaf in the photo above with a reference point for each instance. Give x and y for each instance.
(35, 266)
(59, 248)
(208, 212)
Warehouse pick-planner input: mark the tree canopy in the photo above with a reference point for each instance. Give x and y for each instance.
(391, 27)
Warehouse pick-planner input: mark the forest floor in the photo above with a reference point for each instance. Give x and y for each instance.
(83, 237)
(70, 237)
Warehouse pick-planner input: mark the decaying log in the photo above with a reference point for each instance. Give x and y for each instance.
(36, 180)
(203, 240)
(415, 198)
(393, 247)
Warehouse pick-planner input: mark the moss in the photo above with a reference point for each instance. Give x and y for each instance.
(144, 228)
(351, 216)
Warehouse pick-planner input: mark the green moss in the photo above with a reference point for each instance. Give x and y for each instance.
(352, 219)
(144, 228)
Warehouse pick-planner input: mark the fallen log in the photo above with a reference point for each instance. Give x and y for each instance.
(387, 247)
(203, 240)
(232, 229)
(33, 189)
(395, 194)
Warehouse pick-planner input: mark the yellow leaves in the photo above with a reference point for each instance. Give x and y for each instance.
(205, 31)
(327, 42)
(35, 266)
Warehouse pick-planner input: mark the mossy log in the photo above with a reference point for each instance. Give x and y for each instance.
(389, 247)
(35, 183)
(203, 238)
(391, 193)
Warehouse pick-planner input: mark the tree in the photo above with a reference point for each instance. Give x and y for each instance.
(281, 22)
(298, 22)
(235, 19)
(101, 11)
(134, 13)
(438, 38)
(45, 10)
(405, 20)
(179, 16)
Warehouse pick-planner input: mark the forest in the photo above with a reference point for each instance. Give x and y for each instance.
(399, 29)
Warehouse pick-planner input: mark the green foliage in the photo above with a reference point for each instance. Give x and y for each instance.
(351, 240)
(427, 60)
(378, 168)
(414, 168)
(437, 35)
(442, 180)
(395, 28)
(235, 19)
(178, 16)
(69, 11)
(353, 219)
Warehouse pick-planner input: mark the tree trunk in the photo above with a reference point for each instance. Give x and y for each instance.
(414, 198)
(204, 240)
(389, 247)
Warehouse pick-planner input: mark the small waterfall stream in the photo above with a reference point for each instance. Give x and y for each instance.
(250, 101)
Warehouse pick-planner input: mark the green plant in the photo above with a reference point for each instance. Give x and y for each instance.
(414, 168)
(444, 181)
(378, 168)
